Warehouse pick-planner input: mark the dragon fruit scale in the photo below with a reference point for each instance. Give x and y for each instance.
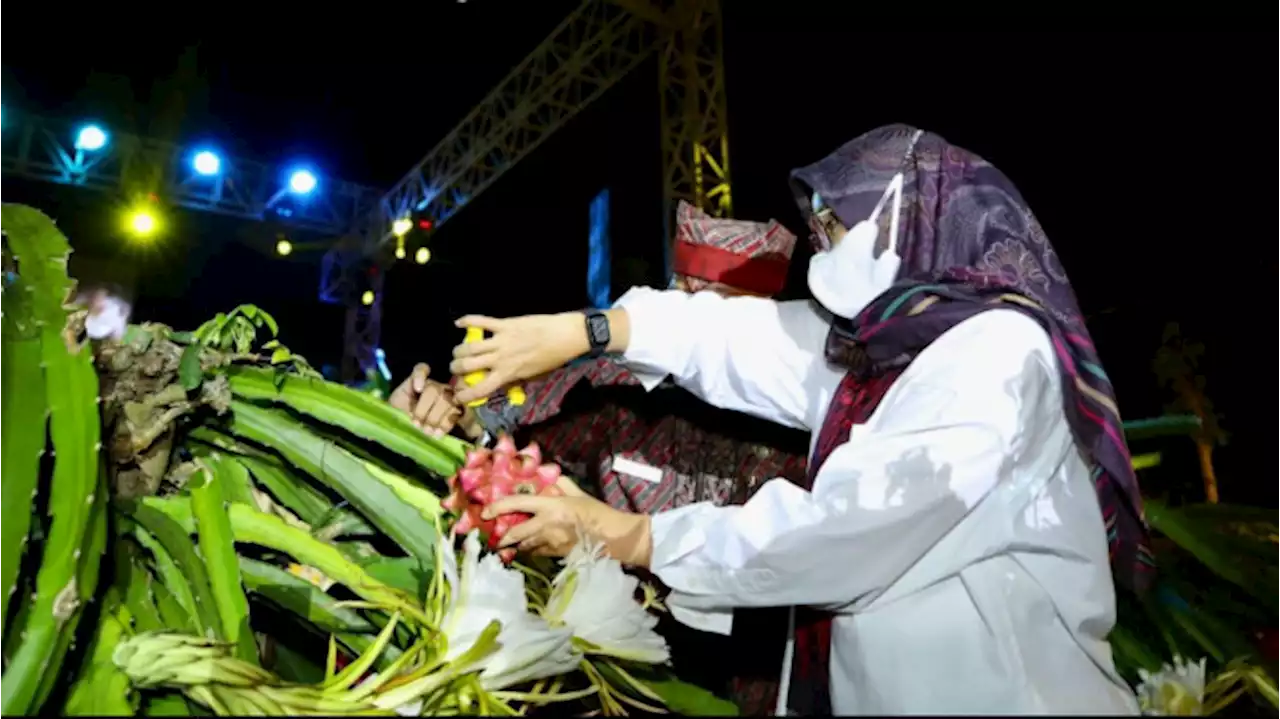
(490, 475)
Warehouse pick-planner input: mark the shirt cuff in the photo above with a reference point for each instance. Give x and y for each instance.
(716, 621)
(676, 533)
(643, 356)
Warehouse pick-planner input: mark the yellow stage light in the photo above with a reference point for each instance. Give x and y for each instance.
(422, 256)
(142, 223)
(367, 297)
(401, 227)
(399, 248)
(284, 247)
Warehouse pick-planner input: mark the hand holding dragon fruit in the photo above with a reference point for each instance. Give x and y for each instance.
(490, 475)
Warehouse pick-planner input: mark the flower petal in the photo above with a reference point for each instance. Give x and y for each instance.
(531, 650)
(596, 599)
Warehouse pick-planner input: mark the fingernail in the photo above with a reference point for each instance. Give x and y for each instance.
(486, 513)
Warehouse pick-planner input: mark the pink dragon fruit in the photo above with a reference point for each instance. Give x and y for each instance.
(490, 475)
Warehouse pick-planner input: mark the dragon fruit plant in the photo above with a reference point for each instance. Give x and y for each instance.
(490, 475)
(198, 522)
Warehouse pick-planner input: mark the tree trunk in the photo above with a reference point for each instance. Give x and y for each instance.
(1205, 450)
(1204, 444)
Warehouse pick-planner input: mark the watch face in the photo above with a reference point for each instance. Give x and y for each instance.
(599, 325)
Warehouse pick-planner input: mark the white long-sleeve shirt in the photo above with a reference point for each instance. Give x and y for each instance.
(956, 535)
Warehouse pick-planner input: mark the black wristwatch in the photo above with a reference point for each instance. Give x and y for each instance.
(597, 332)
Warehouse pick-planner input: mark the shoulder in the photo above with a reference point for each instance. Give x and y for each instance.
(995, 343)
(1001, 356)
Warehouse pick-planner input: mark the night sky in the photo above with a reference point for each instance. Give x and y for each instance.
(1138, 152)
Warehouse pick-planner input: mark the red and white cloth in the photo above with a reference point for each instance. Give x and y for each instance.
(750, 256)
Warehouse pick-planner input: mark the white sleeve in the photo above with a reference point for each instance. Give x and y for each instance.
(882, 500)
(748, 354)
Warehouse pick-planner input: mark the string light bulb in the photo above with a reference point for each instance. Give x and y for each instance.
(399, 248)
(283, 247)
(367, 298)
(422, 256)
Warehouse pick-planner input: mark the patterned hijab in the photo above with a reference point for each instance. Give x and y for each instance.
(969, 243)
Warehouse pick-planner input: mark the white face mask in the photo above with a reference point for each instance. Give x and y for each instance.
(846, 278)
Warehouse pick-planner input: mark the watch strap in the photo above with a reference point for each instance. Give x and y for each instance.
(599, 340)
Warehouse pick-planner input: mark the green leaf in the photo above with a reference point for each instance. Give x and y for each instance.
(403, 573)
(71, 390)
(250, 526)
(177, 509)
(173, 615)
(173, 589)
(1131, 653)
(301, 598)
(684, 699)
(217, 547)
(1219, 553)
(137, 337)
(189, 372)
(294, 666)
(22, 396)
(206, 332)
(86, 585)
(291, 491)
(270, 531)
(136, 582)
(167, 704)
(102, 689)
(177, 543)
(354, 411)
(233, 476)
(1168, 425)
(340, 471)
(279, 355)
(296, 494)
(270, 322)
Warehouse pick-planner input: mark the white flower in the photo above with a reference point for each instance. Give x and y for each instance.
(1176, 690)
(485, 590)
(596, 599)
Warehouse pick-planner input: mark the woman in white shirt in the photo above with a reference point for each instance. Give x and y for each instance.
(970, 494)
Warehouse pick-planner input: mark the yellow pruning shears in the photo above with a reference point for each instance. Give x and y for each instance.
(494, 423)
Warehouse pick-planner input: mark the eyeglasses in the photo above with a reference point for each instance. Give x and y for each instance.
(822, 225)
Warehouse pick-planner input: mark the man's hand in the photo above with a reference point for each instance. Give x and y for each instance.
(432, 404)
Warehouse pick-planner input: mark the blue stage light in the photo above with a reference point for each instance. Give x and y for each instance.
(302, 182)
(206, 163)
(91, 138)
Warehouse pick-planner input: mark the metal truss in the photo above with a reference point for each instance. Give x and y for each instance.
(362, 333)
(695, 132)
(594, 48)
(36, 148)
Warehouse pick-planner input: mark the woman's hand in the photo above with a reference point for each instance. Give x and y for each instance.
(519, 348)
(558, 522)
